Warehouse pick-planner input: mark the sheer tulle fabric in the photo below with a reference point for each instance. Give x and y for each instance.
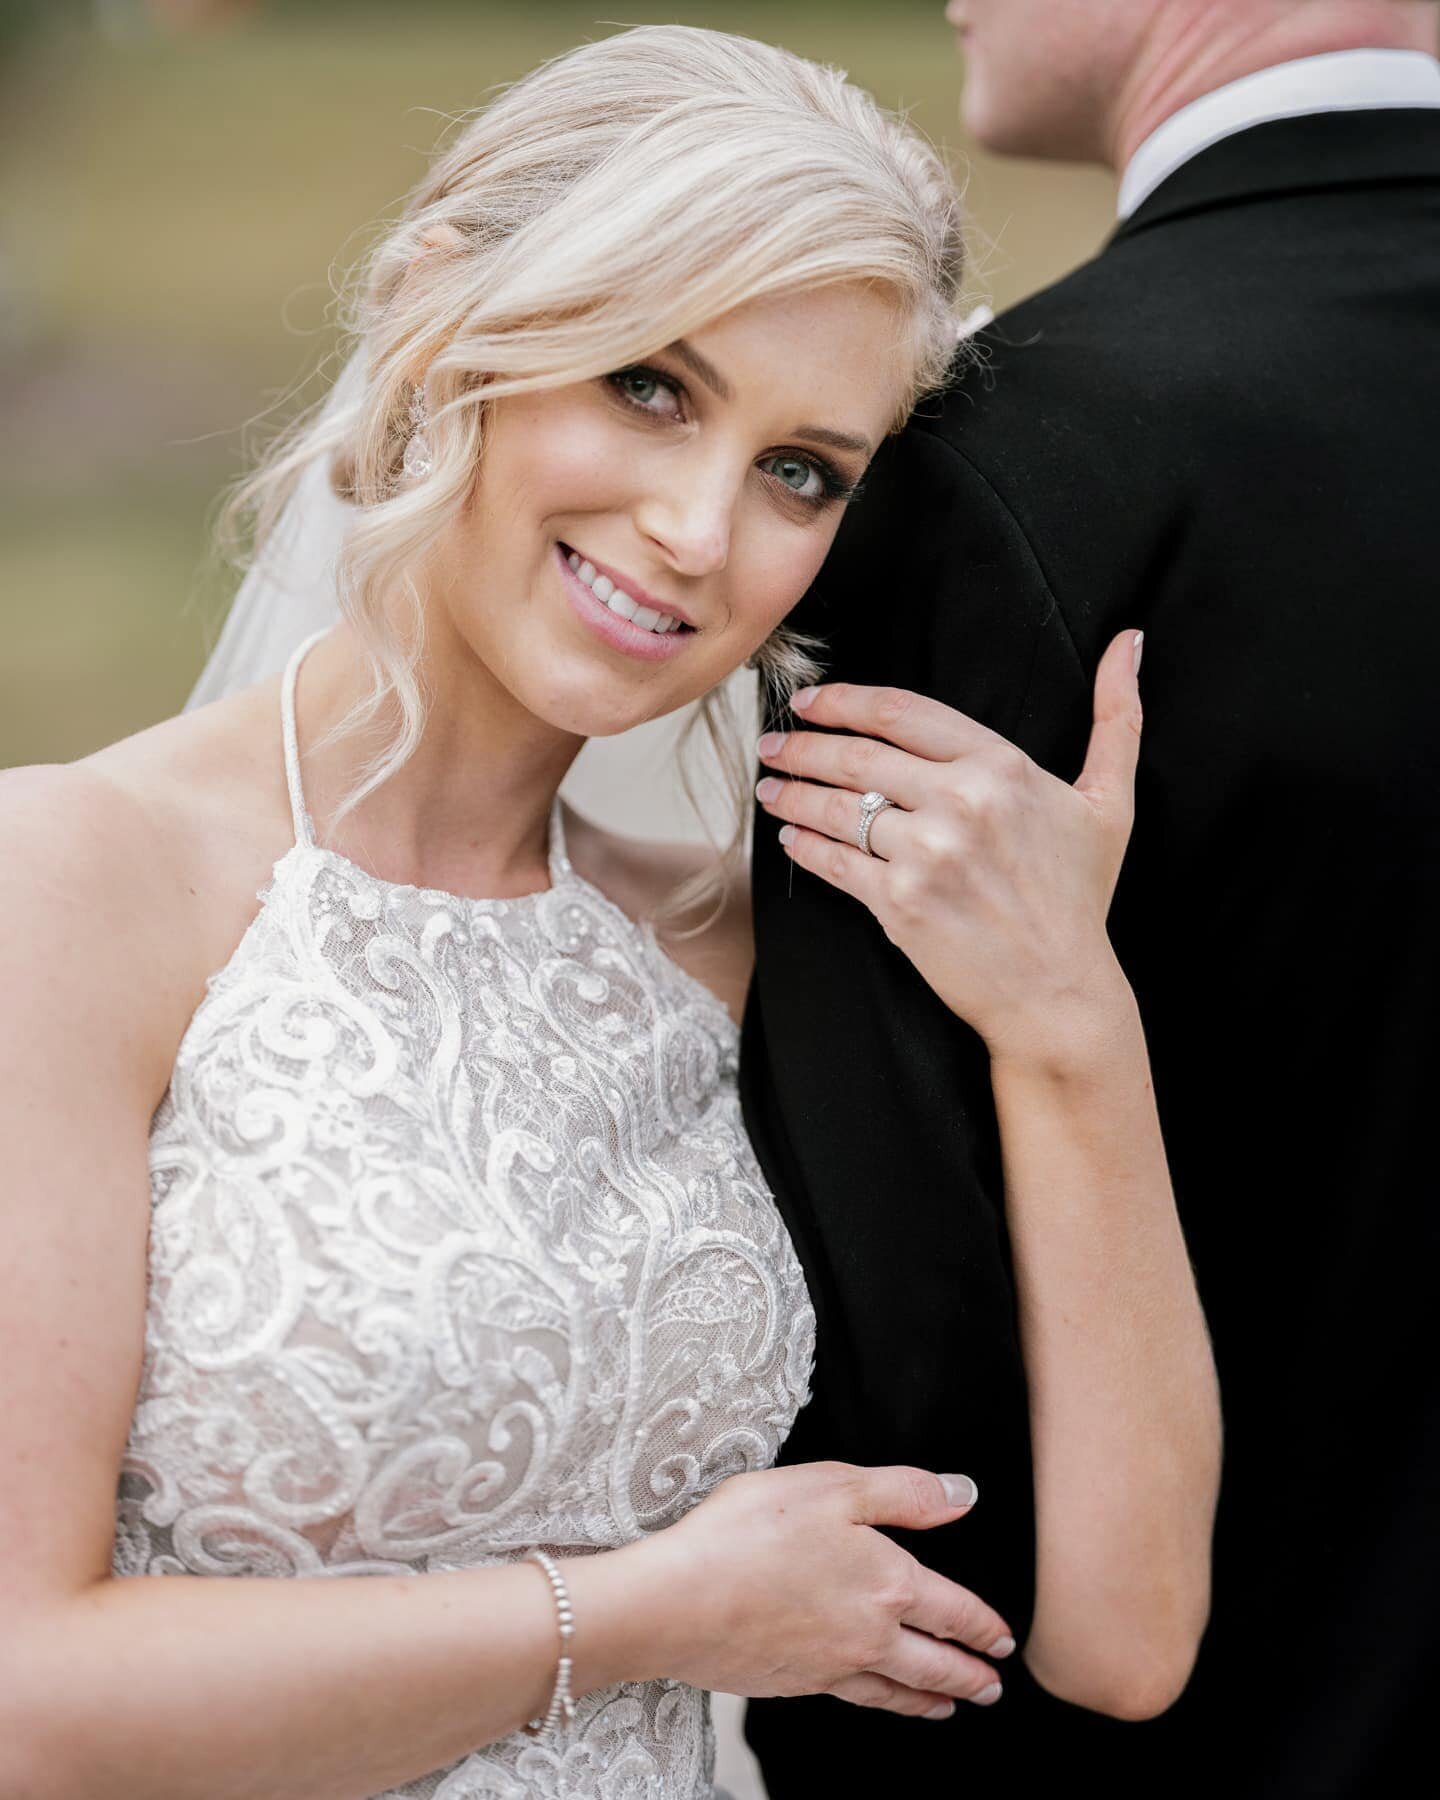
(289, 593)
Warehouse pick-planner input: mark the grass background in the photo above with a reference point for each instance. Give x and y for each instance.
(174, 207)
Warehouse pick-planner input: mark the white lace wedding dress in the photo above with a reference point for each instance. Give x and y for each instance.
(457, 1247)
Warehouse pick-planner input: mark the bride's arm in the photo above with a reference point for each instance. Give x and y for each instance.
(182, 1685)
(1124, 1411)
(320, 1688)
(995, 879)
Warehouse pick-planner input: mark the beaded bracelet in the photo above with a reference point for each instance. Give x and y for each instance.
(562, 1704)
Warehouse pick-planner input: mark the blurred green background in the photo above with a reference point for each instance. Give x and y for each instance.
(181, 181)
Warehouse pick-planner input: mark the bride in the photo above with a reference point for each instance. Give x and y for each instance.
(382, 1205)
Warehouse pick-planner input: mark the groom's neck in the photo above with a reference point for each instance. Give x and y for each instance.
(1190, 50)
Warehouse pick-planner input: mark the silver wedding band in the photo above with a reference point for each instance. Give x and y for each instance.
(871, 807)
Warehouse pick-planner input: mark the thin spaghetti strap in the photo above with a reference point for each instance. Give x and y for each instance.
(559, 858)
(304, 831)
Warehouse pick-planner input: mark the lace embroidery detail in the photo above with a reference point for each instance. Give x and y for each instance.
(457, 1247)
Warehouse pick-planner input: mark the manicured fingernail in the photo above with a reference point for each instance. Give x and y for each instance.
(802, 697)
(771, 742)
(787, 834)
(960, 1490)
(988, 1696)
(1001, 1647)
(1139, 649)
(945, 1710)
(768, 789)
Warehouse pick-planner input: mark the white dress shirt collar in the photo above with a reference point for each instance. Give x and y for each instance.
(1339, 81)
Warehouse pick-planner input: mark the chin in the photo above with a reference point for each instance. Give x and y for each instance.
(995, 127)
(1013, 116)
(589, 706)
(1049, 125)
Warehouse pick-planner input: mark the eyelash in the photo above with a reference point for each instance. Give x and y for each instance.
(837, 490)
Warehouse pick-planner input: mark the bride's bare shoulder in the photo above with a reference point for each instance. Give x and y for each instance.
(159, 805)
(78, 836)
(132, 867)
(642, 877)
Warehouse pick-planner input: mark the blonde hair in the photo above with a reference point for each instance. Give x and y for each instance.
(614, 200)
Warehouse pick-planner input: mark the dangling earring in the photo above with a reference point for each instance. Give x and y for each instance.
(417, 461)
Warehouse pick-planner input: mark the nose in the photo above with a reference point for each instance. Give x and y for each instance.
(691, 519)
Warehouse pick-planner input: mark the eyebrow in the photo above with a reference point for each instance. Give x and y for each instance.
(704, 368)
(842, 440)
(716, 382)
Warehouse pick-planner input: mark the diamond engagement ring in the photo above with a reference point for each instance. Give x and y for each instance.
(871, 807)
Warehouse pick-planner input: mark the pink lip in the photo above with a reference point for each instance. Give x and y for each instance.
(619, 633)
(634, 590)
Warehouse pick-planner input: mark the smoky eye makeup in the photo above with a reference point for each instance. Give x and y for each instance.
(622, 383)
(628, 386)
(834, 488)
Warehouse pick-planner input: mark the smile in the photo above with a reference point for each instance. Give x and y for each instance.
(615, 615)
(604, 589)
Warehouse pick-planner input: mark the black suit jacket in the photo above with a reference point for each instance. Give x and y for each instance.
(1225, 429)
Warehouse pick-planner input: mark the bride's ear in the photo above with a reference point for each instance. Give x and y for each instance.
(441, 239)
(436, 237)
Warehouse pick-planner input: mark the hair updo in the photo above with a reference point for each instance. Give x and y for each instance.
(617, 198)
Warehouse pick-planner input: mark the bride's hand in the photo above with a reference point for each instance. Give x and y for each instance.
(991, 875)
(780, 1583)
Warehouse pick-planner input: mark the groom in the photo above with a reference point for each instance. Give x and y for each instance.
(1225, 429)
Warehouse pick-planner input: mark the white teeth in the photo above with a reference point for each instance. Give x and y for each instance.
(648, 618)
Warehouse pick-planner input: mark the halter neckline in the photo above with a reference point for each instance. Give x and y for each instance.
(557, 859)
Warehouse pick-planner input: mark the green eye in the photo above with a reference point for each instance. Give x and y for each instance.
(793, 472)
(647, 390)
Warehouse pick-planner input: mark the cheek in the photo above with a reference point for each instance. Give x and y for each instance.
(1011, 63)
(777, 569)
(1033, 79)
(546, 458)
(995, 74)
